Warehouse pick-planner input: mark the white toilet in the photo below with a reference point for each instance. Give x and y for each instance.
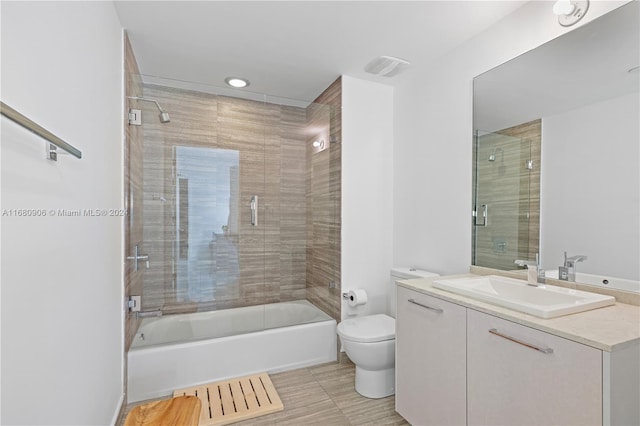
(370, 342)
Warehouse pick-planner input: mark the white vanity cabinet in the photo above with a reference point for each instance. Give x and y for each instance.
(456, 365)
(520, 376)
(430, 360)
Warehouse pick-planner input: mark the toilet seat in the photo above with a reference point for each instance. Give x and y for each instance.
(368, 329)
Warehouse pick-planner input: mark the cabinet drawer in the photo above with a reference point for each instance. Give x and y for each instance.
(517, 375)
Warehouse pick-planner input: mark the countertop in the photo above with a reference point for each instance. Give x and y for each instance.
(610, 328)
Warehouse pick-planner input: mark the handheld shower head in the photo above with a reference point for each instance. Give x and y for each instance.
(164, 116)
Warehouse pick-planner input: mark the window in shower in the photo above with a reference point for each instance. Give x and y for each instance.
(206, 223)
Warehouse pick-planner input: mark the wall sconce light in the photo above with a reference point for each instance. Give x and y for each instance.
(318, 143)
(570, 11)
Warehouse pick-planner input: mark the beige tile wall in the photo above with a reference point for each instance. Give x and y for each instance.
(271, 142)
(324, 169)
(530, 225)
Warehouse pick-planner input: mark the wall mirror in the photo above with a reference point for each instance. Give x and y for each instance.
(556, 152)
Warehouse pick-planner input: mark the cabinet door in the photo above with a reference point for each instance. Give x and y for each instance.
(430, 360)
(510, 383)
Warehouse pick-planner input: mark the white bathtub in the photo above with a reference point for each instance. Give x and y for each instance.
(178, 351)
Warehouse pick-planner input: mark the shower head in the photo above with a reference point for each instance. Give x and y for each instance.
(164, 116)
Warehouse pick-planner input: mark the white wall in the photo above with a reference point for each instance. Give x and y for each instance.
(433, 136)
(367, 200)
(62, 306)
(590, 187)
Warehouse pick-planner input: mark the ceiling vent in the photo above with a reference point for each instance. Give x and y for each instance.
(386, 66)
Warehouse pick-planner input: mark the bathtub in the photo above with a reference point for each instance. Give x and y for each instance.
(178, 351)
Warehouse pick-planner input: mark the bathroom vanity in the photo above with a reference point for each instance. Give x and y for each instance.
(463, 361)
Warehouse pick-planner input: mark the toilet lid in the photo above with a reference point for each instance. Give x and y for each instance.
(368, 329)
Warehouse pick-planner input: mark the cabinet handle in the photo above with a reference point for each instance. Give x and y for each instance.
(438, 310)
(513, 339)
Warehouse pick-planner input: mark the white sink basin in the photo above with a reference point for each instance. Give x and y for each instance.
(543, 302)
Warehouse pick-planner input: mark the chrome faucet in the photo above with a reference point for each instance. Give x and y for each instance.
(568, 271)
(535, 275)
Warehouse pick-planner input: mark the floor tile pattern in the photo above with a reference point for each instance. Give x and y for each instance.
(325, 395)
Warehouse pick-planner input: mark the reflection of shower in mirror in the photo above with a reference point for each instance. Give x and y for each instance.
(492, 156)
(164, 116)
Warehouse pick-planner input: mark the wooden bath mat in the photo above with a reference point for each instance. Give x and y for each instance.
(237, 399)
(182, 410)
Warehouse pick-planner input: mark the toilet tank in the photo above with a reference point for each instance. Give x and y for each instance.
(403, 274)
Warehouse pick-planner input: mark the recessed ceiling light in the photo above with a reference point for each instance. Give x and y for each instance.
(236, 82)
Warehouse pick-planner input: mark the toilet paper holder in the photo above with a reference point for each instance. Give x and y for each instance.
(355, 297)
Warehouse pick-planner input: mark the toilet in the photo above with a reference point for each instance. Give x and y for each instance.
(370, 341)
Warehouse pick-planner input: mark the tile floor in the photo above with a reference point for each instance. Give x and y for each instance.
(323, 395)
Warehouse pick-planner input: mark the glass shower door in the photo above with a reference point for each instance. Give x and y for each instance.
(204, 181)
(501, 216)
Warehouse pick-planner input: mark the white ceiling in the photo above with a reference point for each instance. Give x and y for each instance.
(295, 49)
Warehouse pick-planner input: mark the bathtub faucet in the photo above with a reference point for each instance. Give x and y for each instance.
(141, 314)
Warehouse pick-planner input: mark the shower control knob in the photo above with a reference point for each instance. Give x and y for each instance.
(137, 257)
